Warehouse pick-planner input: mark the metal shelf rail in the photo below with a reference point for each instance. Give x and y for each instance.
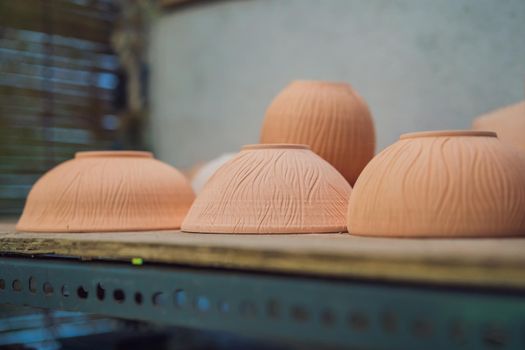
(317, 290)
(307, 309)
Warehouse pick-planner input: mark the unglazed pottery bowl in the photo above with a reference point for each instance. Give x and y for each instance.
(507, 122)
(272, 188)
(108, 191)
(329, 117)
(441, 184)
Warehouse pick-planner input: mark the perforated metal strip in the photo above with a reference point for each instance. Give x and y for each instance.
(340, 313)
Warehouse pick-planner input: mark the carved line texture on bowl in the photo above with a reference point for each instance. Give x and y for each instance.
(441, 186)
(107, 194)
(271, 191)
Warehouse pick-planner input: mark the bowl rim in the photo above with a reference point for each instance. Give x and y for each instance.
(324, 83)
(259, 146)
(448, 133)
(113, 154)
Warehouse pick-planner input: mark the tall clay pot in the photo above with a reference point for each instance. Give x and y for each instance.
(329, 117)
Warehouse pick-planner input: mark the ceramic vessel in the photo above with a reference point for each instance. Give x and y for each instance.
(441, 184)
(107, 191)
(272, 189)
(507, 122)
(329, 117)
(207, 170)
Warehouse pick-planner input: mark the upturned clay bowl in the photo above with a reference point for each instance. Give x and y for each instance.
(272, 189)
(329, 117)
(507, 122)
(441, 184)
(107, 191)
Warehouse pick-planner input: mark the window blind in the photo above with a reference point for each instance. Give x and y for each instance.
(58, 83)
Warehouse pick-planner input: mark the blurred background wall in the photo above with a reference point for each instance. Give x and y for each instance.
(419, 64)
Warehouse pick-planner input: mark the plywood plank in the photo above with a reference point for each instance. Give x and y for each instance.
(479, 262)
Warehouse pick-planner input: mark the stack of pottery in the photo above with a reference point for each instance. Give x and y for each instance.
(108, 191)
(429, 184)
(317, 141)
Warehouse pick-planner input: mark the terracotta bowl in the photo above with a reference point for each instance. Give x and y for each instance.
(507, 122)
(272, 189)
(441, 184)
(108, 191)
(329, 117)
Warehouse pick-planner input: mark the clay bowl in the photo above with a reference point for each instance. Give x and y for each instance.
(507, 122)
(329, 117)
(107, 191)
(441, 184)
(279, 188)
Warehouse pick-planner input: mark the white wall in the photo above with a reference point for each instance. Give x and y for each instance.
(420, 64)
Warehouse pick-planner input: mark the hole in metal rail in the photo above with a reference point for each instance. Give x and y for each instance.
(119, 296)
(273, 309)
(458, 333)
(82, 292)
(248, 309)
(299, 313)
(159, 299)
(2, 284)
(17, 285)
(65, 291)
(223, 306)
(389, 322)
(358, 321)
(101, 292)
(32, 284)
(202, 304)
(327, 318)
(138, 298)
(495, 337)
(422, 328)
(47, 288)
(179, 298)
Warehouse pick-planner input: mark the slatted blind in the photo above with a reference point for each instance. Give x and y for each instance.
(58, 84)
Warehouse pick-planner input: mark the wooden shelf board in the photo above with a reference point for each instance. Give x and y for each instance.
(469, 262)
